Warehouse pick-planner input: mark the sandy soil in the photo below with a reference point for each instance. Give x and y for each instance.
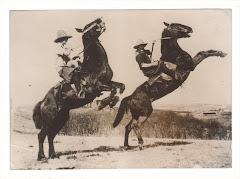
(107, 152)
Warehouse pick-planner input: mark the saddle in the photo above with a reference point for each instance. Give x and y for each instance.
(162, 76)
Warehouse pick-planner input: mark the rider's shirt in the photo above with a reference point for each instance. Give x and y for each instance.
(142, 57)
(63, 58)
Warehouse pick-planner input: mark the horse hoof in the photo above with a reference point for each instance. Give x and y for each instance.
(121, 91)
(100, 107)
(127, 147)
(140, 147)
(53, 156)
(222, 54)
(43, 160)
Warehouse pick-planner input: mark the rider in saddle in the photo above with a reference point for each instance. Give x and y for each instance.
(65, 65)
(149, 68)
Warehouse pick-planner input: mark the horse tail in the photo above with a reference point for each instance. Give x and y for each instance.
(122, 109)
(37, 116)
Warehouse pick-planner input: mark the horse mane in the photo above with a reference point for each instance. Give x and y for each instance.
(165, 33)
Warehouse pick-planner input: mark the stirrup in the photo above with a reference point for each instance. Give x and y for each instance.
(81, 95)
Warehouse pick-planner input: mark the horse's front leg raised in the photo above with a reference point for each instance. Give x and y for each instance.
(120, 86)
(107, 101)
(111, 100)
(205, 54)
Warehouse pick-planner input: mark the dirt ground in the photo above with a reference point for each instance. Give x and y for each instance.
(108, 153)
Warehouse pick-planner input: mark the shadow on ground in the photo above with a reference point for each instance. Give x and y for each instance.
(122, 148)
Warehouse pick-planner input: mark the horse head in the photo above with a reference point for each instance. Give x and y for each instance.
(93, 30)
(176, 31)
(95, 57)
(170, 49)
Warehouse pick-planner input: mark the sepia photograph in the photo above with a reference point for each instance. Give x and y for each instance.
(120, 89)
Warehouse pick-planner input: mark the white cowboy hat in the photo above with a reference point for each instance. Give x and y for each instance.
(139, 42)
(61, 35)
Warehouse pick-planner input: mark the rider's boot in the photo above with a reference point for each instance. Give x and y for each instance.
(178, 75)
(59, 104)
(78, 85)
(82, 90)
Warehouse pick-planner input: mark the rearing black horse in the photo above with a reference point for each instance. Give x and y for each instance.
(140, 102)
(96, 69)
(97, 73)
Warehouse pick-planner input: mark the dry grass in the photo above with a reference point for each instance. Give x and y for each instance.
(161, 124)
(106, 151)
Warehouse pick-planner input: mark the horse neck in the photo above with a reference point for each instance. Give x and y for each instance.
(169, 48)
(169, 43)
(95, 53)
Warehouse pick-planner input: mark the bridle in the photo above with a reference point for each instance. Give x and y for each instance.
(89, 28)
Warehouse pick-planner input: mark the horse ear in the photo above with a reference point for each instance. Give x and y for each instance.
(166, 24)
(79, 30)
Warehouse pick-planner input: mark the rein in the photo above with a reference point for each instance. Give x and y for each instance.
(165, 38)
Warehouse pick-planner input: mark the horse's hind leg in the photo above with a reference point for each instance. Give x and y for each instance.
(41, 138)
(56, 126)
(52, 153)
(205, 54)
(136, 124)
(111, 100)
(128, 129)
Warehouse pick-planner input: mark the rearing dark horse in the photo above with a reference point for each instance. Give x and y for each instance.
(97, 73)
(140, 102)
(95, 66)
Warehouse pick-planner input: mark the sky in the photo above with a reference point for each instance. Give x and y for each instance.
(32, 50)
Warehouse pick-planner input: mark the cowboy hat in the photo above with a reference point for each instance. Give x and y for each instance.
(139, 42)
(61, 35)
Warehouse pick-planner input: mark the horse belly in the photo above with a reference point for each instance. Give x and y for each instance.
(140, 104)
(160, 89)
